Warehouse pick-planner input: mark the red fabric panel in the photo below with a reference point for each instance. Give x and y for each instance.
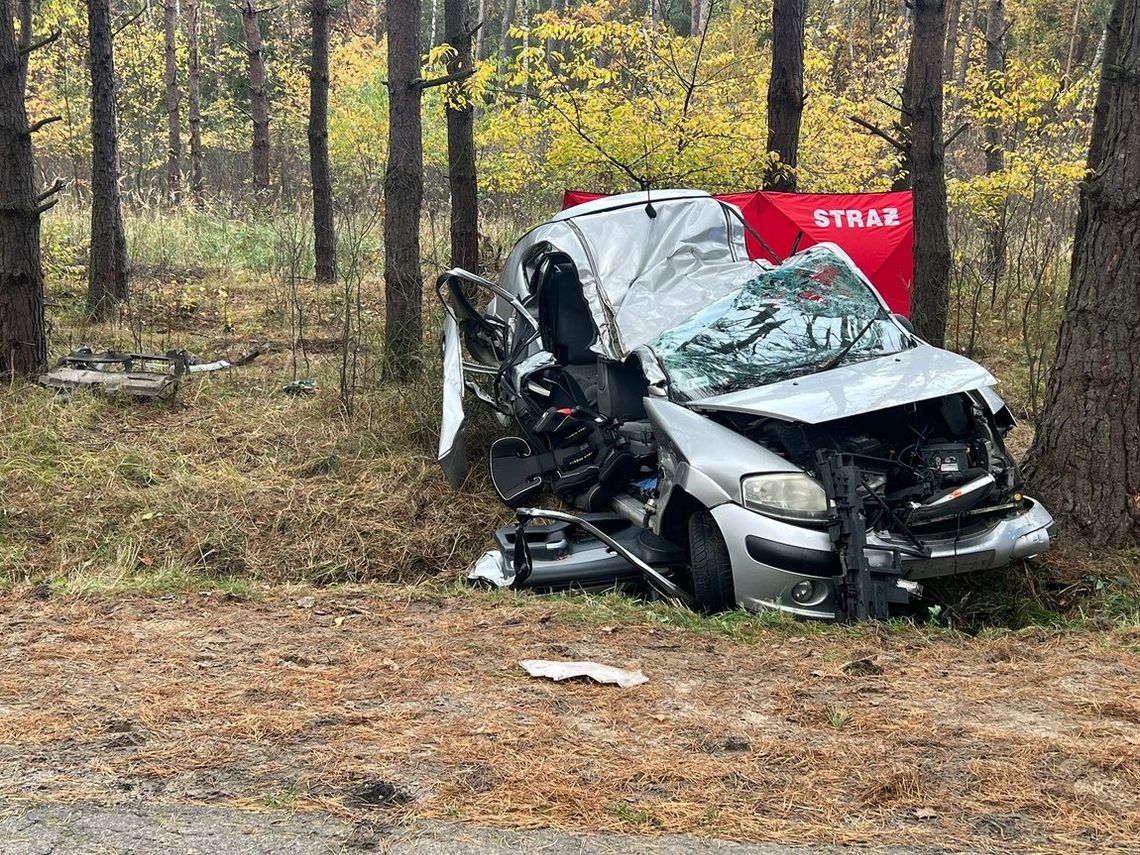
(576, 197)
(875, 229)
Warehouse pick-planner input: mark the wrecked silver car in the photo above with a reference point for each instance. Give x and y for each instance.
(730, 432)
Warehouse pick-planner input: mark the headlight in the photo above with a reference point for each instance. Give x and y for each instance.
(791, 495)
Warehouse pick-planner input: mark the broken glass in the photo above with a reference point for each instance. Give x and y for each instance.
(795, 319)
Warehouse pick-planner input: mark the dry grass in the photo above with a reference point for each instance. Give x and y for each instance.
(233, 480)
(1003, 742)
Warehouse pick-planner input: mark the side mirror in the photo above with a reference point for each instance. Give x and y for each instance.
(905, 323)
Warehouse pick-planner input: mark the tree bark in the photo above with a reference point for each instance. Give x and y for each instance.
(509, 9)
(968, 45)
(697, 17)
(403, 194)
(23, 340)
(194, 92)
(995, 154)
(785, 93)
(173, 120)
(953, 14)
(258, 94)
(927, 153)
(553, 46)
(461, 175)
(480, 51)
(1085, 458)
(107, 268)
(324, 237)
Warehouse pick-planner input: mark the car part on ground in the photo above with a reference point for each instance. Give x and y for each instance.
(137, 375)
(770, 437)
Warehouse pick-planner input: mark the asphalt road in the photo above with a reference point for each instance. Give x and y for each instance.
(81, 829)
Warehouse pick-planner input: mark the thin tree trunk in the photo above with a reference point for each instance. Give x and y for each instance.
(968, 45)
(432, 26)
(927, 153)
(1085, 458)
(173, 121)
(461, 175)
(785, 93)
(258, 95)
(107, 267)
(194, 91)
(324, 237)
(509, 10)
(403, 193)
(23, 340)
(697, 17)
(1077, 8)
(557, 46)
(953, 14)
(480, 51)
(995, 155)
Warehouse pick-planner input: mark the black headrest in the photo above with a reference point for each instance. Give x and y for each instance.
(568, 327)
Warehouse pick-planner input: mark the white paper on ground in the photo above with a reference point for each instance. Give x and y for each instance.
(593, 670)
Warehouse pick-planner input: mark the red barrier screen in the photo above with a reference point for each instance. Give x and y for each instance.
(875, 229)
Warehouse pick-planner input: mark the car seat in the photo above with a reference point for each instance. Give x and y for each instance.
(567, 329)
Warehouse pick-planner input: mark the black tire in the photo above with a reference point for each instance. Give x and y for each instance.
(709, 565)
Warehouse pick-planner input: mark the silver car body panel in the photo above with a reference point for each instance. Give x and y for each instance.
(916, 374)
(762, 586)
(710, 458)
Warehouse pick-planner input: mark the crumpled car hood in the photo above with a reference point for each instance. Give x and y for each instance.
(917, 374)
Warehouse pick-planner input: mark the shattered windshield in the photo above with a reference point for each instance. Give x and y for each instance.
(810, 314)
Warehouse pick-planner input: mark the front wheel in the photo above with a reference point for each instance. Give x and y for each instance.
(709, 565)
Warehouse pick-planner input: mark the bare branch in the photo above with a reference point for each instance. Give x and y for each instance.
(41, 43)
(956, 134)
(55, 188)
(420, 83)
(35, 126)
(129, 21)
(879, 132)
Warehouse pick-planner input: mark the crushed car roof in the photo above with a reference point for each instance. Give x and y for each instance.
(646, 261)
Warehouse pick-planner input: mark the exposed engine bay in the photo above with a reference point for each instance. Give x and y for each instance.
(929, 466)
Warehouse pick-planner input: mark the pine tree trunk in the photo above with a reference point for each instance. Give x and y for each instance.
(953, 14)
(461, 174)
(23, 341)
(173, 122)
(324, 237)
(403, 193)
(968, 45)
(553, 46)
(480, 51)
(258, 94)
(509, 9)
(107, 268)
(927, 152)
(995, 155)
(1085, 458)
(785, 93)
(194, 91)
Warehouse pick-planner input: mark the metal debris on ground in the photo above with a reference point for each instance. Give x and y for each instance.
(300, 387)
(140, 375)
(595, 671)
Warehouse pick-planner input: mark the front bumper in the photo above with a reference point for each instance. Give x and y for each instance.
(770, 557)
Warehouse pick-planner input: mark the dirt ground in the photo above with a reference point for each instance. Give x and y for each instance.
(395, 705)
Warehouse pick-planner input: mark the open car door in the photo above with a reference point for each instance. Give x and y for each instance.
(484, 337)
